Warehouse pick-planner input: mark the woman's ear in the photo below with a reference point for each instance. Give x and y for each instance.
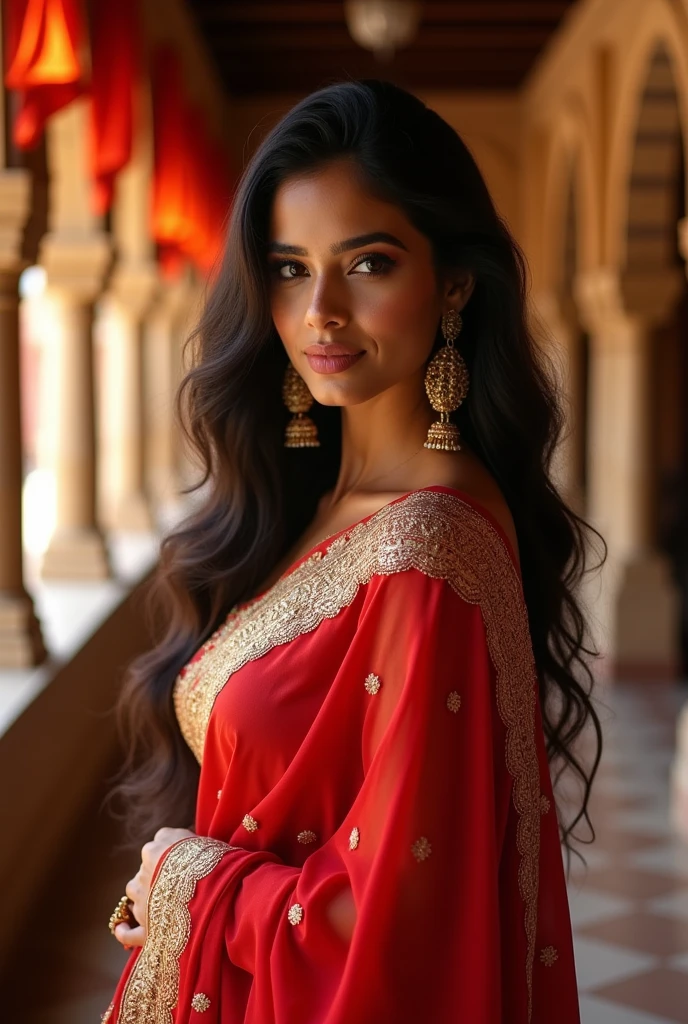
(459, 288)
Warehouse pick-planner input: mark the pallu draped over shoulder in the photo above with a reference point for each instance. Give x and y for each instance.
(368, 725)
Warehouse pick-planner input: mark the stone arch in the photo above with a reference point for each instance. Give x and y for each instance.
(652, 85)
(570, 190)
(653, 206)
(569, 239)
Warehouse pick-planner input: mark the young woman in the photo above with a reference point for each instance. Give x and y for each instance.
(373, 648)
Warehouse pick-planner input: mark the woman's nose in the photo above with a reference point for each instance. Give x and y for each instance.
(326, 307)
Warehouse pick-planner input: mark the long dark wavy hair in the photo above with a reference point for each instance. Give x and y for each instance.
(256, 496)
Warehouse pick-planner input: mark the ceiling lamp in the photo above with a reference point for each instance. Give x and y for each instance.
(382, 26)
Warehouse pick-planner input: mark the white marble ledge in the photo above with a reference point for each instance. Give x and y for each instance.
(70, 613)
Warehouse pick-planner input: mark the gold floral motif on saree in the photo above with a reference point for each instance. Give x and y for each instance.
(445, 538)
(152, 988)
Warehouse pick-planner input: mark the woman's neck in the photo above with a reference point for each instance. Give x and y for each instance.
(382, 442)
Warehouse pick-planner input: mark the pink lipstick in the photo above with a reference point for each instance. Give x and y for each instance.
(331, 358)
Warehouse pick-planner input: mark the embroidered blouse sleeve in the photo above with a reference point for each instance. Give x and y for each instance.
(439, 850)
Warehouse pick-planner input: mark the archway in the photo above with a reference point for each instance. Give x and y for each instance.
(656, 206)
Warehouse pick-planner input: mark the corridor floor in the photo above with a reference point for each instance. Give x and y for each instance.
(629, 907)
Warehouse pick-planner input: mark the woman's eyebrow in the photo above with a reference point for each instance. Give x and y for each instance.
(339, 247)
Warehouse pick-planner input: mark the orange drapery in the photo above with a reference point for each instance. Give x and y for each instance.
(191, 178)
(44, 61)
(116, 48)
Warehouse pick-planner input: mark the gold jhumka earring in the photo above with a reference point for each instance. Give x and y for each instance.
(301, 431)
(446, 384)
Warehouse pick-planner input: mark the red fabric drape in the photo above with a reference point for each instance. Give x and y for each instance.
(369, 727)
(116, 48)
(44, 61)
(191, 177)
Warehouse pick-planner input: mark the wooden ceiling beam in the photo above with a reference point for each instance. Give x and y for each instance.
(332, 11)
(306, 81)
(307, 39)
(465, 63)
(263, 46)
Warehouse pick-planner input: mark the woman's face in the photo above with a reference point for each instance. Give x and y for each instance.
(350, 270)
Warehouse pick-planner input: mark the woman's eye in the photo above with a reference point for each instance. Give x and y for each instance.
(288, 270)
(373, 265)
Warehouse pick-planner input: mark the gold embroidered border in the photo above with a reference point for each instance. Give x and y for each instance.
(152, 988)
(445, 538)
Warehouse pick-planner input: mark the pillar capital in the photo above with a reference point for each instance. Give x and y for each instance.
(76, 264)
(136, 286)
(612, 303)
(175, 297)
(15, 204)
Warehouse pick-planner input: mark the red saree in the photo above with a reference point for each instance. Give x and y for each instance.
(371, 721)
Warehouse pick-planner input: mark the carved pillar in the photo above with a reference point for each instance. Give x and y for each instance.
(20, 637)
(131, 291)
(124, 309)
(74, 278)
(76, 255)
(163, 375)
(634, 602)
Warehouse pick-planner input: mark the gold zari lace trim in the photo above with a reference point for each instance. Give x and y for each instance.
(152, 989)
(445, 538)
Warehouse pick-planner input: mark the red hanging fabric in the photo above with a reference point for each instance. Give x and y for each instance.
(170, 165)
(191, 182)
(116, 46)
(220, 190)
(44, 61)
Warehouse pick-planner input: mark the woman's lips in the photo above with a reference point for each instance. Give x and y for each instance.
(332, 364)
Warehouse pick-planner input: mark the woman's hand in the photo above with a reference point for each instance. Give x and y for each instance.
(139, 887)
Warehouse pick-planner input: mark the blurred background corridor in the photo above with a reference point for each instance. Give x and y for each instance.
(124, 127)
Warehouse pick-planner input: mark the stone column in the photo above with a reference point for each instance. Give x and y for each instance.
(76, 254)
(166, 330)
(634, 603)
(20, 637)
(131, 291)
(75, 270)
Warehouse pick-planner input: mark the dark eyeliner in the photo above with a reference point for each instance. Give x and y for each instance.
(387, 261)
(380, 256)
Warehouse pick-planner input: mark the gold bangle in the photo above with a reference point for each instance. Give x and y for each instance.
(121, 914)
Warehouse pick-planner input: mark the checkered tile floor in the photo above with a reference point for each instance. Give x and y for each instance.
(629, 908)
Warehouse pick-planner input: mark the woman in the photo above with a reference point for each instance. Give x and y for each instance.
(371, 628)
